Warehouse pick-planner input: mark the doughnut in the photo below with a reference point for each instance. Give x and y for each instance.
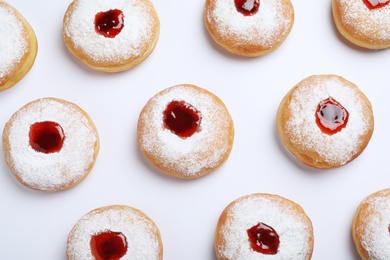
(365, 23)
(249, 28)
(114, 232)
(111, 36)
(185, 131)
(263, 226)
(18, 46)
(371, 226)
(325, 121)
(50, 144)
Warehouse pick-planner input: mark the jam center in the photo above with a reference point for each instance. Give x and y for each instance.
(182, 119)
(247, 7)
(46, 137)
(263, 239)
(331, 116)
(373, 4)
(109, 23)
(108, 245)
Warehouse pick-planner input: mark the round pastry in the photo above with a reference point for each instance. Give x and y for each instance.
(365, 23)
(325, 121)
(185, 131)
(371, 226)
(111, 36)
(263, 226)
(114, 232)
(18, 46)
(50, 144)
(249, 27)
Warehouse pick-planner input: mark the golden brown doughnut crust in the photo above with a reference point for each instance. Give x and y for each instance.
(56, 171)
(362, 26)
(21, 67)
(286, 217)
(249, 36)
(138, 47)
(370, 226)
(117, 218)
(194, 156)
(299, 133)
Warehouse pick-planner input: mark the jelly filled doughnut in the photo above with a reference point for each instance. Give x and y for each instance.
(111, 36)
(114, 232)
(365, 23)
(185, 131)
(249, 27)
(50, 144)
(18, 46)
(325, 121)
(371, 226)
(263, 226)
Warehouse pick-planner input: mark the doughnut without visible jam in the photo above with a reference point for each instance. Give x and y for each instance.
(263, 226)
(18, 46)
(365, 23)
(185, 131)
(50, 144)
(306, 137)
(371, 226)
(249, 27)
(129, 41)
(114, 232)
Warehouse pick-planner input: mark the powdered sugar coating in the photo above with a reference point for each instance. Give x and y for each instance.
(79, 26)
(142, 235)
(293, 227)
(265, 28)
(374, 225)
(204, 150)
(13, 43)
(372, 23)
(302, 129)
(49, 172)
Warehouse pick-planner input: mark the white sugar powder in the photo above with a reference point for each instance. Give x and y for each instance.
(291, 226)
(375, 234)
(51, 171)
(204, 149)
(375, 22)
(142, 243)
(13, 43)
(137, 30)
(303, 129)
(261, 28)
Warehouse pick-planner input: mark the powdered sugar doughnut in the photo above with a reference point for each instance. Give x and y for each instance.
(113, 35)
(18, 46)
(263, 226)
(371, 226)
(50, 144)
(325, 121)
(114, 232)
(249, 27)
(185, 131)
(365, 23)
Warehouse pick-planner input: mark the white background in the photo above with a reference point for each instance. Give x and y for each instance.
(35, 225)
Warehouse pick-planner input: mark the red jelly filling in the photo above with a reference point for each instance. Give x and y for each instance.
(108, 245)
(46, 137)
(247, 7)
(373, 4)
(331, 116)
(263, 239)
(182, 118)
(110, 23)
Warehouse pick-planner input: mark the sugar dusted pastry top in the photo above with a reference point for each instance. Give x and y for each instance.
(55, 170)
(130, 46)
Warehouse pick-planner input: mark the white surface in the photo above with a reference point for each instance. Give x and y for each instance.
(35, 225)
